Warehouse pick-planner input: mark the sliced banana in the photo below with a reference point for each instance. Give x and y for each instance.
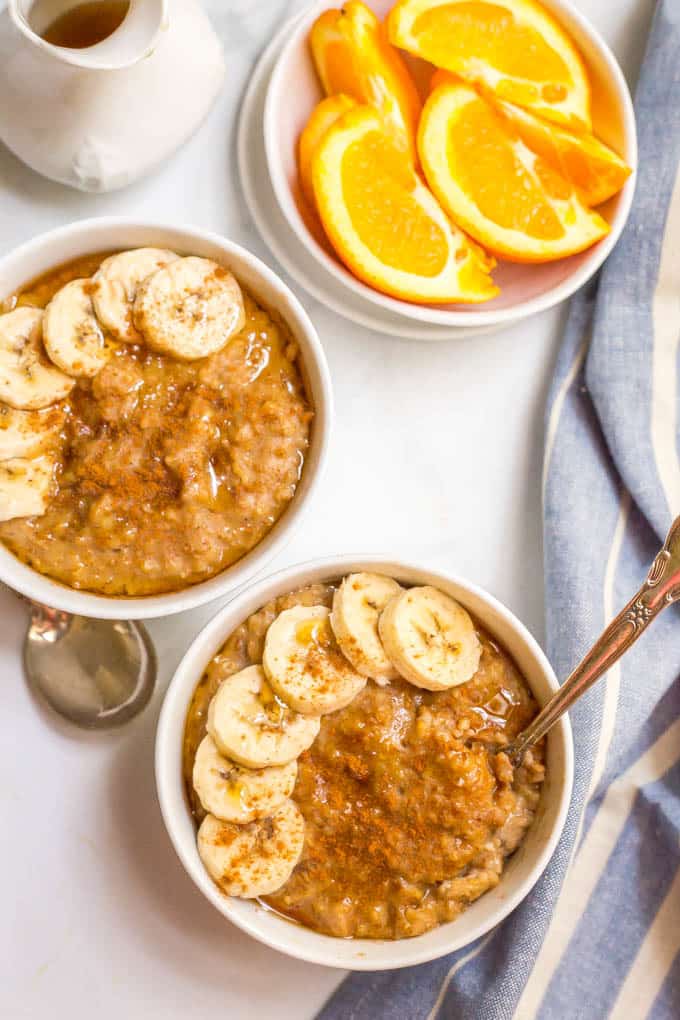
(357, 605)
(25, 486)
(252, 726)
(189, 309)
(430, 639)
(114, 288)
(304, 664)
(236, 794)
(28, 433)
(255, 859)
(72, 336)
(28, 380)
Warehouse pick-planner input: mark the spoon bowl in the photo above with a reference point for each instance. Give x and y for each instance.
(96, 673)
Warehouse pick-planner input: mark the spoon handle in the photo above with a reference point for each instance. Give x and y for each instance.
(661, 589)
(50, 623)
(44, 619)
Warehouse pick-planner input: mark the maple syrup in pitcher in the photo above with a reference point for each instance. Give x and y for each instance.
(86, 24)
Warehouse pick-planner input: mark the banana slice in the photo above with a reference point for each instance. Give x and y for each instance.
(357, 604)
(304, 664)
(255, 859)
(27, 379)
(114, 288)
(25, 486)
(28, 433)
(189, 309)
(430, 639)
(73, 338)
(252, 726)
(234, 793)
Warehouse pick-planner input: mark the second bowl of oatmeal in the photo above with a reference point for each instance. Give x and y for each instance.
(378, 824)
(164, 418)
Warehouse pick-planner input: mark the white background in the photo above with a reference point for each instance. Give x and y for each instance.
(436, 455)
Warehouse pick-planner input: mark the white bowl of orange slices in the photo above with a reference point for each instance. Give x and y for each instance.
(456, 162)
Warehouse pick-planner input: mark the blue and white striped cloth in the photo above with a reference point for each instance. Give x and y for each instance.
(600, 934)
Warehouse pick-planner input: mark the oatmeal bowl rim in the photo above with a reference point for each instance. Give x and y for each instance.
(112, 233)
(524, 867)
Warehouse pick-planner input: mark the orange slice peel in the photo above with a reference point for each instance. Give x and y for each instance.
(320, 120)
(595, 170)
(513, 49)
(353, 56)
(494, 187)
(384, 223)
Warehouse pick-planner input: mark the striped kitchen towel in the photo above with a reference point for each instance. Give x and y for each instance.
(600, 934)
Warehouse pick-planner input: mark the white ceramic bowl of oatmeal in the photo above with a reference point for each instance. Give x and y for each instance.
(78, 240)
(523, 868)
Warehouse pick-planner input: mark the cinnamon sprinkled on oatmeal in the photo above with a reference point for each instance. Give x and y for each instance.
(409, 811)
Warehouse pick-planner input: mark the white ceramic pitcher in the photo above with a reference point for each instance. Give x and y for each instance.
(100, 117)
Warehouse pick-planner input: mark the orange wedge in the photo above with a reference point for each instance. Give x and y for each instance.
(493, 186)
(511, 48)
(352, 55)
(596, 171)
(384, 224)
(322, 116)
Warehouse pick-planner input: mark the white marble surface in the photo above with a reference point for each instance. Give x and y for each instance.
(436, 454)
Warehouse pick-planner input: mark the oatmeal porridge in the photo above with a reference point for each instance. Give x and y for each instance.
(178, 432)
(409, 809)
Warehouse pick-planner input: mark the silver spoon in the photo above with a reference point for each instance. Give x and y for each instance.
(661, 589)
(95, 673)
